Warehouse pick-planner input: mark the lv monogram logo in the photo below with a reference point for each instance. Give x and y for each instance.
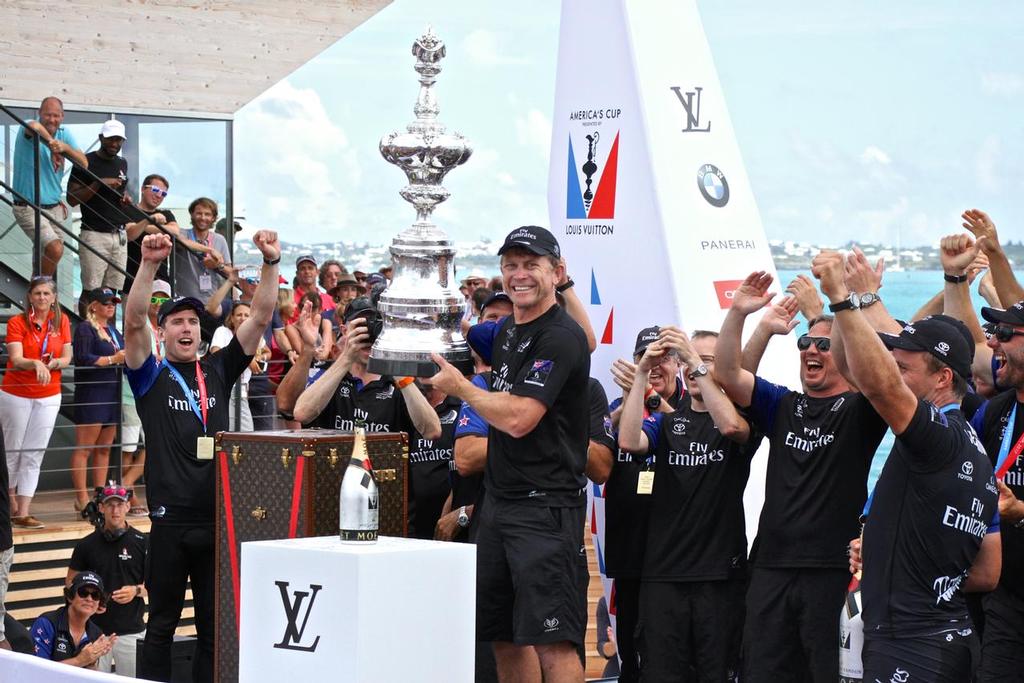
(692, 110)
(292, 639)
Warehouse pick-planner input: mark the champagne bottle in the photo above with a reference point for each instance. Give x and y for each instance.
(359, 517)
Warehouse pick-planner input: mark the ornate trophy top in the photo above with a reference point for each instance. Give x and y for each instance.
(425, 151)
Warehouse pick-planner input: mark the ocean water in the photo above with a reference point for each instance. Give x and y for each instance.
(903, 294)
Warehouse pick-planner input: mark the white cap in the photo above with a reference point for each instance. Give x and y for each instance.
(112, 128)
(475, 274)
(161, 286)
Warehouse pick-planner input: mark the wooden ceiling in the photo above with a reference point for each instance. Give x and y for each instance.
(172, 56)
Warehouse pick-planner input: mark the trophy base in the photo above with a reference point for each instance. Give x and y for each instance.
(394, 367)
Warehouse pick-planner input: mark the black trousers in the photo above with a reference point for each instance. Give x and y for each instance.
(791, 630)
(1002, 643)
(948, 657)
(627, 616)
(177, 555)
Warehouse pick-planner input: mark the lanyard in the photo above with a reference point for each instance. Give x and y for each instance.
(113, 338)
(200, 413)
(867, 505)
(49, 330)
(1008, 456)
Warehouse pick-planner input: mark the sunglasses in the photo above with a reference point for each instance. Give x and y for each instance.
(803, 342)
(86, 592)
(156, 190)
(1002, 332)
(158, 300)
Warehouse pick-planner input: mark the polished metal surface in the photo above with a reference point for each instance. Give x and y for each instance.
(422, 308)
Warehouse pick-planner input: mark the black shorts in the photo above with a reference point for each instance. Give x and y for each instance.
(531, 569)
(791, 629)
(1002, 643)
(948, 657)
(690, 631)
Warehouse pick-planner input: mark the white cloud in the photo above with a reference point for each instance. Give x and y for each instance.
(872, 154)
(1002, 83)
(293, 163)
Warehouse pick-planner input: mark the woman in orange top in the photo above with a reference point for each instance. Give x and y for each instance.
(38, 348)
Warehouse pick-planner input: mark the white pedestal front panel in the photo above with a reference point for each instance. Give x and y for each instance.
(399, 610)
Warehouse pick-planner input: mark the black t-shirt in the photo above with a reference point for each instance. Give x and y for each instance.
(180, 488)
(546, 359)
(816, 482)
(627, 513)
(135, 248)
(6, 538)
(429, 461)
(104, 212)
(119, 562)
(989, 422)
(696, 530)
(600, 421)
(379, 404)
(933, 503)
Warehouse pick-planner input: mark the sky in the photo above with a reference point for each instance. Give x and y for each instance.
(855, 121)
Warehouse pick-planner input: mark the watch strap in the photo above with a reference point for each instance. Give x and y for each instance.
(955, 279)
(844, 305)
(565, 285)
(272, 262)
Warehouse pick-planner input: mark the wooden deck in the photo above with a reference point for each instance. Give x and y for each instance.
(42, 555)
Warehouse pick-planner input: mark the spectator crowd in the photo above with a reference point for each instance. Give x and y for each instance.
(502, 457)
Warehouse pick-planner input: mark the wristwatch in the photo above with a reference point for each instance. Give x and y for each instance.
(851, 302)
(463, 520)
(868, 298)
(699, 371)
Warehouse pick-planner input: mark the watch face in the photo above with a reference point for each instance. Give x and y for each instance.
(868, 298)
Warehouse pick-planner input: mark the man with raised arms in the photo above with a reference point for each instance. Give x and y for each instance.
(822, 440)
(183, 402)
(925, 540)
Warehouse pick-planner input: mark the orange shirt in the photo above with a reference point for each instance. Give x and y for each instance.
(23, 382)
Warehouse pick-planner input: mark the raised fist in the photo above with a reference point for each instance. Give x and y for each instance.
(266, 242)
(155, 248)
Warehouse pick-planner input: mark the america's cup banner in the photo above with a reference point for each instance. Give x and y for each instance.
(648, 195)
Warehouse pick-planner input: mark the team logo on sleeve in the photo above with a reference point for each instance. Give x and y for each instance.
(539, 372)
(449, 417)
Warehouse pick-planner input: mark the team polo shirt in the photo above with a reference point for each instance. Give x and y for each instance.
(990, 422)
(119, 562)
(626, 512)
(816, 481)
(51, 635)
(546, 359)
(466, 490)
(32, 338)
(180, 488)
(50, 189)
(933, 504)
(696, 530)
(378, 403)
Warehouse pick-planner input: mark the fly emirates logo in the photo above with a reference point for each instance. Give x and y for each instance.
(811, 439)
(969, 524)
(700, 454)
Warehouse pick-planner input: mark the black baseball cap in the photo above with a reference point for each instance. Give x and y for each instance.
(534, 239)
(103, 295)
(360, 307)
(939, 335)
(178, 303)
(87, 578)
(1014, 315)
(647, 336)
(495, 298)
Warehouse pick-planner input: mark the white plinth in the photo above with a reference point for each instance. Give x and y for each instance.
(399, 610)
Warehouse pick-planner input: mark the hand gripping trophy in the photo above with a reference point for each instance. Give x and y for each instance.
(422, 308)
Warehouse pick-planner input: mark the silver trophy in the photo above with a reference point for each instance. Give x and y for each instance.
(422, 308)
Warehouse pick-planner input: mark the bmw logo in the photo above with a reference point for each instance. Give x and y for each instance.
(713, 185)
